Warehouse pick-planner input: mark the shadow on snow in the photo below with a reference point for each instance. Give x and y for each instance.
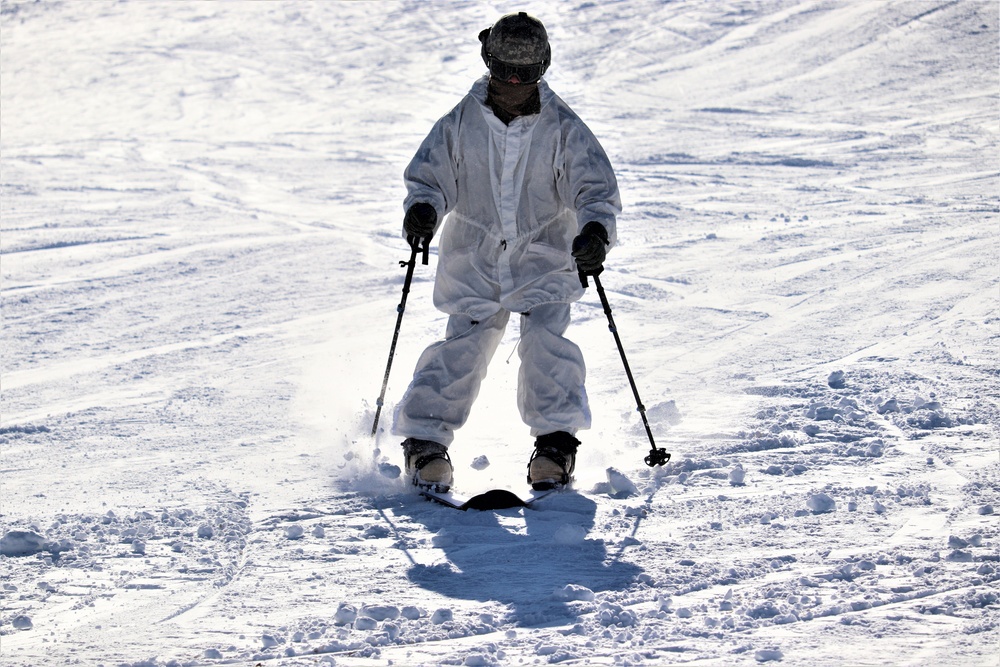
(528, 568)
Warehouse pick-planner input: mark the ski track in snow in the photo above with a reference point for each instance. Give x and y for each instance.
(200, 268)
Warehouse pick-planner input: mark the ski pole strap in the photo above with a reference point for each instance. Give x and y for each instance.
(421, 244)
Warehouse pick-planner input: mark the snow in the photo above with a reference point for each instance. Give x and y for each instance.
(200, 253)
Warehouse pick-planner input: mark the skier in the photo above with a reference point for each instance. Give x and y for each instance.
(528, 191)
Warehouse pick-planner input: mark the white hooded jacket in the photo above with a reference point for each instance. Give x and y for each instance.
(516, 196)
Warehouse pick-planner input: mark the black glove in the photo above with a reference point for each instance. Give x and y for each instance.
(419, 223)
(590, 248)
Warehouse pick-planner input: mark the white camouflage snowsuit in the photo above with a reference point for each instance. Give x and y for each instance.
(516, 197)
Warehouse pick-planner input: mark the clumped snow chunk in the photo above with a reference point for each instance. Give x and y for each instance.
(389, 470)
(664, 413)
(892, 405)
(365, 623)
(766, 609)
(768, 655)
(480, 463)
(621, 486)
(442, 615)
(574, 593)
(822, 412)
(375, 532)
(821, 503)
(836, 380)
(22, 622)
(381, 612)
(612, 614)
(21, 543)
(737, 475)
(479, 660)
(346, 614)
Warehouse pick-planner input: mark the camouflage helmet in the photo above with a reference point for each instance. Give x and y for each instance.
(516, 48)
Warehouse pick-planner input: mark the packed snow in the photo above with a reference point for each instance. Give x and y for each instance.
(201, 210)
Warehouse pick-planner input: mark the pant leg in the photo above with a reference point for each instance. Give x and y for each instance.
(447, 379)
(550, 391)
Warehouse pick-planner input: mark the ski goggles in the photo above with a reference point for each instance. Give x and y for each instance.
(511, 73)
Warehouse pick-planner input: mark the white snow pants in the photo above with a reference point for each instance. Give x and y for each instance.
(550, 391)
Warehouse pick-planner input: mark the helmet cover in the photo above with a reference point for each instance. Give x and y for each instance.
(517, 39)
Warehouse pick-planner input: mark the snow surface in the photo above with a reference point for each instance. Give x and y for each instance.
(200, 271)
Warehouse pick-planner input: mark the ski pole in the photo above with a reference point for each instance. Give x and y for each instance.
(424, 249)
(657, 456)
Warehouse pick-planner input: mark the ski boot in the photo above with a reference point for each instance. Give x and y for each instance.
(428, 464)
(551, 465)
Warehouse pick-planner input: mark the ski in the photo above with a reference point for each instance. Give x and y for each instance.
(494, 499)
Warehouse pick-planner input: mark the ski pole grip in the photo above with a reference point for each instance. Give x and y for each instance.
(426, 250)
(583, 279)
